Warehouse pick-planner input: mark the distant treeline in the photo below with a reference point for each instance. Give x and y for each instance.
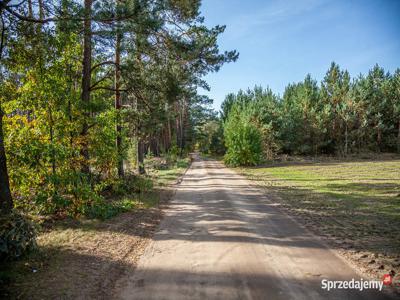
(341, 115)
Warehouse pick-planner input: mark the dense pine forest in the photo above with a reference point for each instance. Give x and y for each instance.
(88, 88)
(338, 117)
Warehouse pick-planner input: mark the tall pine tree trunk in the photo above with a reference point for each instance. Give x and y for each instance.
(140, 156)
(86, 74)
(184, 126)
(379, 138)
(41, 10)
(118, 141)
(181, 134)
(169, 136)
(140, 143)
(6, 201)
(30, 9)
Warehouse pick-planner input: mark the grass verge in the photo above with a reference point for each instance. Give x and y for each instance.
(356, 204)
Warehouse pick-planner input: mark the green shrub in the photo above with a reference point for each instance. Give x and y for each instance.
(161, 166)
(243, 140)
(130, 184)
(140, 184)
(156, 163)
(105, 210)
(182, 163)
(17, 236)
(105, 205)
(172, 155)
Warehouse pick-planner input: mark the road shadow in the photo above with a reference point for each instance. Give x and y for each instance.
(76, 275)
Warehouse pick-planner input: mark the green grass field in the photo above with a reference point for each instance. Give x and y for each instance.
(358, 201)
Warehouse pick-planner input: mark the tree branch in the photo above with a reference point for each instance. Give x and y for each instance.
(29, 19)
(3, 5)
(18, 4)
(3, 30)
(100, 80)
(108, 89)
(108, 62)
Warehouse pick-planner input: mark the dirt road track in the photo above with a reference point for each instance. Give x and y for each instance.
(222, 238)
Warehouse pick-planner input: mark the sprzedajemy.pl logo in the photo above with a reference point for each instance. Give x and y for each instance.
(356, 284)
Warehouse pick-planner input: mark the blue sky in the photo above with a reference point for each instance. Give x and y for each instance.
(281, 41)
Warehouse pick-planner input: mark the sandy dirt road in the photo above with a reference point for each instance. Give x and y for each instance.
(222, 238)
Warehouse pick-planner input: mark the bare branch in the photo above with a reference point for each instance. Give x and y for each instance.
(2, 41)
(29, 19)
(108, 89)
(100, 80)
(18, 4)
(108, 62)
